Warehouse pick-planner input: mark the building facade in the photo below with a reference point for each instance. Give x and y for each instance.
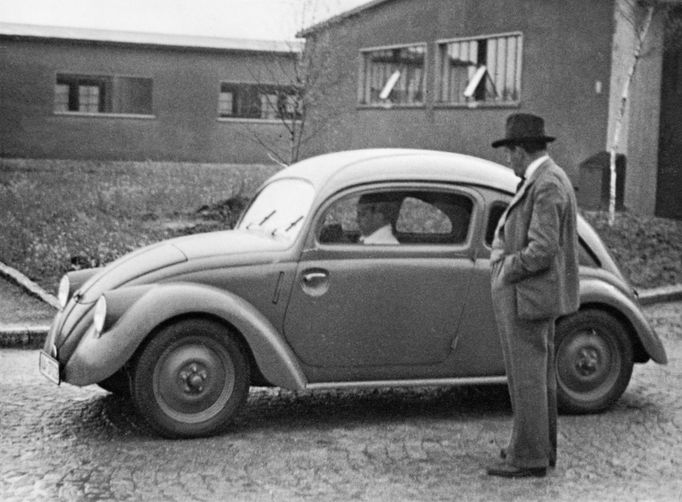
(444, 74)
(92, 94)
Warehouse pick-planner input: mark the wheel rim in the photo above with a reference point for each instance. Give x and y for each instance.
(194, 379)
(588, 364)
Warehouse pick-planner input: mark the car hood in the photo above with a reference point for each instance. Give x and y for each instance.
(171, 252)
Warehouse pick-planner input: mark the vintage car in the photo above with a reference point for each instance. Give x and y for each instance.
(291, 298)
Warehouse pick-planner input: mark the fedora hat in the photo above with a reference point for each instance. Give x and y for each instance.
(522, 128)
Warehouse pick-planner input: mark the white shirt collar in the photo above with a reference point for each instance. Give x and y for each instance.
(532, 167)
(383, 235)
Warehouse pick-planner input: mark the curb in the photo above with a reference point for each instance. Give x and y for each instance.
(28, 285)
(14, 336)
(33, 337)
(661, 295)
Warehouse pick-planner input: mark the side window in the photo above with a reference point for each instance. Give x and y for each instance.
(434, 218)
(494, 216)
(339, 225)
(398, 217)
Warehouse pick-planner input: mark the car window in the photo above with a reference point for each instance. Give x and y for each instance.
(421, 217)
(279, 209)
(496, 210)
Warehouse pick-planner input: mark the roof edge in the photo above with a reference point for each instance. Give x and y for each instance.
(77, 34)
(339, 18)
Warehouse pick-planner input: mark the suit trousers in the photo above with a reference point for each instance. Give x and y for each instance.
(528, 349)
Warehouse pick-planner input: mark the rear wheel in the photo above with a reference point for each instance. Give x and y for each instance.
(190, 379)
(593, 361)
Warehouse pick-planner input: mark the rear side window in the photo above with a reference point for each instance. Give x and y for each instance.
(494, 215)
(586, 257)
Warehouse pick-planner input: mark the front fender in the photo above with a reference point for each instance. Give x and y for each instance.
(97, 358)
(596, 291)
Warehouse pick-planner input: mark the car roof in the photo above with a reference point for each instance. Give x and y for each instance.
(334, 171)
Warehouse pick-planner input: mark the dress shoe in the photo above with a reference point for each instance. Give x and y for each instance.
(506, 470)
(503, 456)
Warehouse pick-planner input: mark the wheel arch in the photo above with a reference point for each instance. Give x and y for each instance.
(596, 293)
(256, 377)
(640, 355)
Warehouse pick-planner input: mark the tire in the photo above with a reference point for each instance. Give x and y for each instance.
(118, 383)
(191, 379)
(593, 361)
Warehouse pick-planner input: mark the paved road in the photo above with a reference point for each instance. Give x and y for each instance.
(71, 444)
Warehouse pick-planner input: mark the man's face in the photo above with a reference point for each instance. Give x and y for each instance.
(369, 219)
(516, 159)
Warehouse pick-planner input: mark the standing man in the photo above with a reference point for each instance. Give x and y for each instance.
(534, 280)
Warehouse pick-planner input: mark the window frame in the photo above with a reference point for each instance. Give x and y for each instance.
(100, 80)
(440, 80)
(261, 90)
(464, 247)
(363, 92)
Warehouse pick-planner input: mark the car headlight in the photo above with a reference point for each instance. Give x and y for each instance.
(63, 291)
(100, 315)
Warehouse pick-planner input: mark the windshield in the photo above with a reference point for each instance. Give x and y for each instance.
(279, 209)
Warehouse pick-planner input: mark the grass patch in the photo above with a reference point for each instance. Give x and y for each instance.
(60, 214)
(648, 250)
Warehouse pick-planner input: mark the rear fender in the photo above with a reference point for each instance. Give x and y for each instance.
(596, 292)
(144, 308)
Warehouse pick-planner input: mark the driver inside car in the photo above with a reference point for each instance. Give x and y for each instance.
(376, 215)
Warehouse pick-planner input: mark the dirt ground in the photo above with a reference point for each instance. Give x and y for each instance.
(18, 307)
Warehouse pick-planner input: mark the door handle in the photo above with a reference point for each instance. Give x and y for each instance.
(315, 281)
(314, 276)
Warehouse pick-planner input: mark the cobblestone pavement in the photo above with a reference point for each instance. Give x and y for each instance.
(77, 444)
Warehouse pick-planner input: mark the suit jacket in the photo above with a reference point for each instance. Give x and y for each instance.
(535, 249)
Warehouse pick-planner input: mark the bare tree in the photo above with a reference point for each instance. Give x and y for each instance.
(639, 13)
(293, 87)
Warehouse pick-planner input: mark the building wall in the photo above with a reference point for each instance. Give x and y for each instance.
(186, 85)
(565, 75)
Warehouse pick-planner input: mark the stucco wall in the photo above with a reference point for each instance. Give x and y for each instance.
(186, 85)
(565, 75)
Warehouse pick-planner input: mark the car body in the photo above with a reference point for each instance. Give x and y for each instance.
(290, 298)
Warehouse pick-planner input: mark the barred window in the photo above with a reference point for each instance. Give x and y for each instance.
(482, 69)
(255, 101)
(393, 75)
(103, 94)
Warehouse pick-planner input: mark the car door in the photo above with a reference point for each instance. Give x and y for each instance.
(383, 310)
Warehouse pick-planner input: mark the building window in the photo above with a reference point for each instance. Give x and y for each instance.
(393, 76)
(103, 94)
(260, 102)
(481, 70)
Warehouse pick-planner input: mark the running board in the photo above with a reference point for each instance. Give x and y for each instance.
(432, 382)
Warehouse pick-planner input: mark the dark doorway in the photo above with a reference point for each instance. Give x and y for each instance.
(669, 181)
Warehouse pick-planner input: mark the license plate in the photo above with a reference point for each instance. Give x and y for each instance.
(49, 367)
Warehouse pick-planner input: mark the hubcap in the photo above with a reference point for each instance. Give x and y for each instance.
(587, 363)
(194, 379)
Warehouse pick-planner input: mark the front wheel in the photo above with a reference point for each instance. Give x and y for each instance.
(190, 379)
(593, 361)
